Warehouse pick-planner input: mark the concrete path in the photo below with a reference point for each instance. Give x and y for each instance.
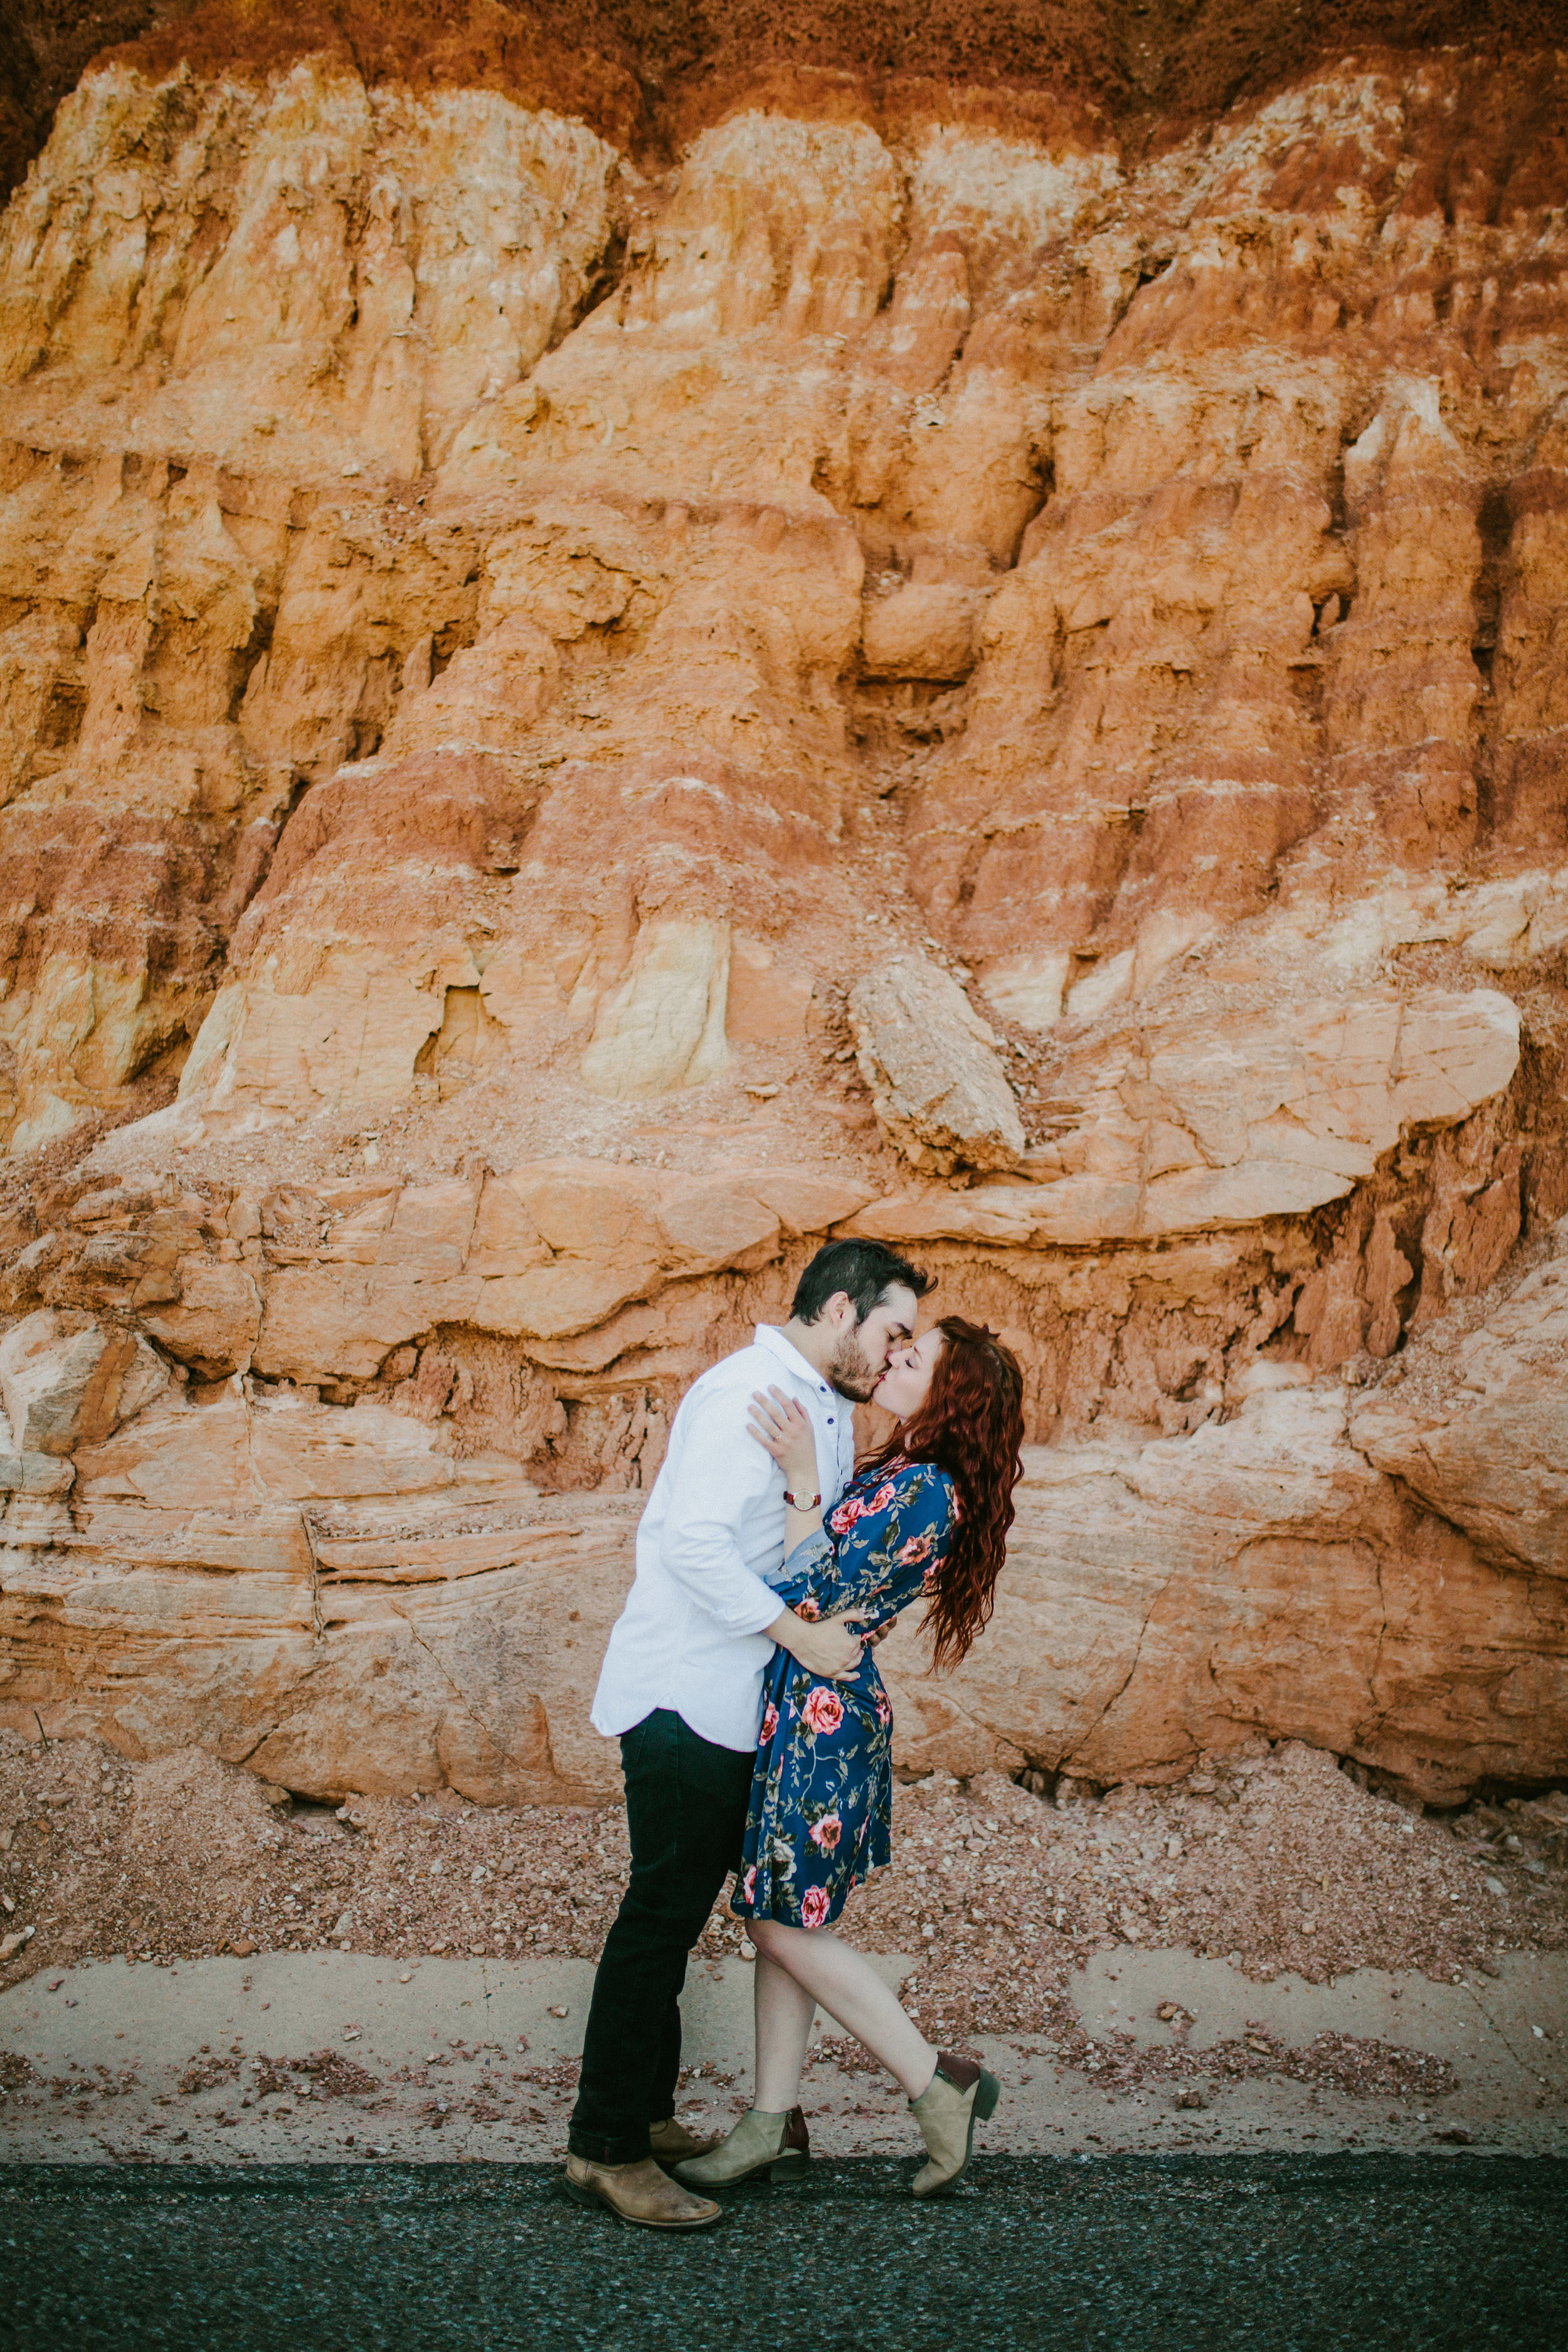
(337, 2056)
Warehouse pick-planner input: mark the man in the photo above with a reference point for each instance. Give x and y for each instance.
(681, 1687)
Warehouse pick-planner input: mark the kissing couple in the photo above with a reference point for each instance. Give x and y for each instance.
(755, 1733)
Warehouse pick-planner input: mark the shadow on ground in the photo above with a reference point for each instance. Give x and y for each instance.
(1287, 2253)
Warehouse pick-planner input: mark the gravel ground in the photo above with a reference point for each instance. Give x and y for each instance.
(1279, 1861)
(1016, 1901)
(1170, 2254)
(1278, 1857)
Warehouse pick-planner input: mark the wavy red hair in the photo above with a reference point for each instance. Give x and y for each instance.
(971, 1426)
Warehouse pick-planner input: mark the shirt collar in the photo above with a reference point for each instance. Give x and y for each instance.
(770, 1336)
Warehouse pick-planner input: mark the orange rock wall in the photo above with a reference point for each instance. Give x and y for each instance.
(615, 658)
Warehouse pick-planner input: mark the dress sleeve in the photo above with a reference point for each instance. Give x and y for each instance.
(809, 1553)
(886, 1543)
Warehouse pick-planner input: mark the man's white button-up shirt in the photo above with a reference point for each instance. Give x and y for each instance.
(711, 1549)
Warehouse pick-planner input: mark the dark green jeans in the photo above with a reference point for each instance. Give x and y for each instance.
(686, 1818)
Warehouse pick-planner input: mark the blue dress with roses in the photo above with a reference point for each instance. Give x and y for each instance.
(822, 1792)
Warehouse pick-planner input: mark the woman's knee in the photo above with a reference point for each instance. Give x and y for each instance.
(784, 1945)
(773, 1939)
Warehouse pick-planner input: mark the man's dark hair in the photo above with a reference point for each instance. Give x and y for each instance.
(864, 1271)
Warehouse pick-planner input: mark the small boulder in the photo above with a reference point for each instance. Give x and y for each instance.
(1479, 1429)
(936, 1082)
(64, 1382)
(214, 1326)
(923, 631)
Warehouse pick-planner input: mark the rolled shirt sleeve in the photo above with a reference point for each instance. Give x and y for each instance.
(724, 1475)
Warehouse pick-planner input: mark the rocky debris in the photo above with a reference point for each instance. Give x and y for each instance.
(328, 2076)
(1002, 1893)
(1283, 1863)
(937, 1084)
(187, 1856)
(1348, 2063)
(206, 2073)
(21, 2084)
(1474, 1418)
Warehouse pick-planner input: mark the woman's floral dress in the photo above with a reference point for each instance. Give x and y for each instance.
(822, 1793)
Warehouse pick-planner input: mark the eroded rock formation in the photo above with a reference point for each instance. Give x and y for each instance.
(605, 672)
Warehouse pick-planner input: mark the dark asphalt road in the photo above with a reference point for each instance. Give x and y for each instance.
(1330, 2255)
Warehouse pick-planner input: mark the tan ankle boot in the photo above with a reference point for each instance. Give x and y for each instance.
(639, 2193)
(777, 2145)
(671, 2143)
(959, 2095)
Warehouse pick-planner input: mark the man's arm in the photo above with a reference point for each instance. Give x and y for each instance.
(831, 1649)
(724, 1477)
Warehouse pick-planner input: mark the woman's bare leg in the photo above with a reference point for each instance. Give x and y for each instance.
(847, 1986)
(783, 2012)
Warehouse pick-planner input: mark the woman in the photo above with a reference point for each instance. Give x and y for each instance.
(927, 1516)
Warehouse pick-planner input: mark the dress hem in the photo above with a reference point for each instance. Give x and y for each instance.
(862, 1878)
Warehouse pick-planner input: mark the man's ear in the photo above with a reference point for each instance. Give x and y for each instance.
(840, 1309)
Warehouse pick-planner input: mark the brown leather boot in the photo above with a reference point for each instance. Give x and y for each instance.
(670, 2142)
(639, 2193)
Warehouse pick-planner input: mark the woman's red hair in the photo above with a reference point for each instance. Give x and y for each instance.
(971, 1426)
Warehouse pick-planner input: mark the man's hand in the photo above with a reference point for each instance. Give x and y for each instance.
(830, 1649)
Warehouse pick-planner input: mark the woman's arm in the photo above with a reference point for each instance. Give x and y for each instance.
(890, 1540)
(831, 1647)
(782, 1427)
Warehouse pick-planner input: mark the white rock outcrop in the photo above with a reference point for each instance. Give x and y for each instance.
(64, 1382)
(1178, 1126)
(937, 1084)
(1477, 1422)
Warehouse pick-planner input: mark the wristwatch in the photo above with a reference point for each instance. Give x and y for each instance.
(802, 1502)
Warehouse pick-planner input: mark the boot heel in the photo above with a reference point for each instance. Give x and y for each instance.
(791, 2166)
(987, 2092)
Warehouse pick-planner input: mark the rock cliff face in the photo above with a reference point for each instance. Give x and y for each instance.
(616, 655)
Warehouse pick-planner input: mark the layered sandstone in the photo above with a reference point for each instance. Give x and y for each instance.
(334, 1598)
(938, 659)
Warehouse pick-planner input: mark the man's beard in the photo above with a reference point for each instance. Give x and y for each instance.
(852, 1372)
